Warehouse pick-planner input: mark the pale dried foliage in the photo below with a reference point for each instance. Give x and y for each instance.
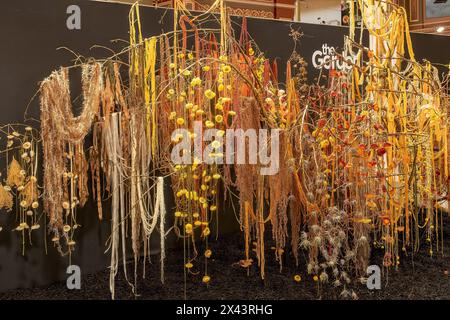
(63, 139)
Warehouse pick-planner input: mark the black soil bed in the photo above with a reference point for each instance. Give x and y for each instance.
(418, 277)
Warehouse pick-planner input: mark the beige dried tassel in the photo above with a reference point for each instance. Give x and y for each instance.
(6, 198)
(161, 207)
(115, 204)
(15, 177)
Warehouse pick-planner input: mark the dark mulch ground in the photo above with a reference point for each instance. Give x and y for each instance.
(420, 278)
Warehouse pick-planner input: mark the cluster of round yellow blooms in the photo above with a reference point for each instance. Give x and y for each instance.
(209, 94)
(196, 193)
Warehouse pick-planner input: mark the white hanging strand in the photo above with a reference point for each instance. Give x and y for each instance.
(162, 212)
(111, 141)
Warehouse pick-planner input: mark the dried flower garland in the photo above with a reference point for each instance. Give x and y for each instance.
(65, 165)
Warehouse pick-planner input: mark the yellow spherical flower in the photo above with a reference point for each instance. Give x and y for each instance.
(171, 91)
(220, 133)
(172, 66)
(210, 94)
(177, 214)
(195, 215)
(232, 113)
(186, 73)
(197, 223)
(206, 279)
(188, 228)
(204, 187)
(189, 106)
(316, 278)
(180, 121)
(213, 208)
(196, 82)
(24, 225)
(219, 118)
(251, 52)
(219, 106)
(172, 115)
(35, 205)
(209, 124)
(206, 232)
(26, 145)
(189, 265)
(297, 278)
(226, 68)
(208, 253)
(190, 56)
(66, 228)
(220, 87)
(216, 176)
(206, 68)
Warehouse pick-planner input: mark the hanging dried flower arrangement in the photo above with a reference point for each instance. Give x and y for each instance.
(65, 165)
(363, 158)
(20, 191)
